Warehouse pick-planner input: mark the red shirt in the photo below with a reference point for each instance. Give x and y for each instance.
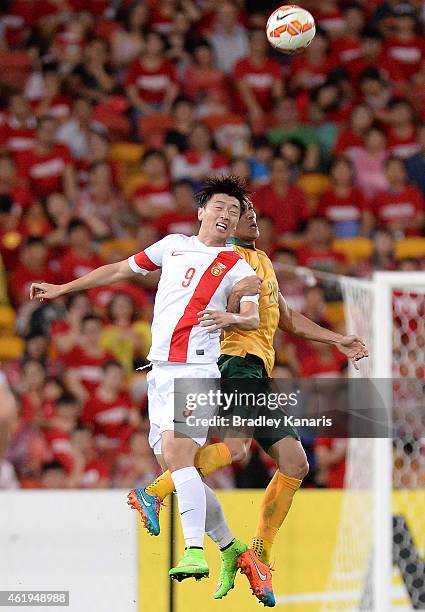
(44, 171)
(159, 197)
(348, 142)
(403, 206)
(152, 85)
(89, 368)
(22, 277)
(17, 138)
(60, 107)
(60, 446)
(408, 56)
(321, 259)
(318, 73)
(402, 147)
(287, 212)
(176, 223)
(260, 79)
(95, 470)
(346, 49)
(314, 366)
(72, 266)
(345, 213)
(336, 473)
(109, 419)
(388, 68)
(101, 296)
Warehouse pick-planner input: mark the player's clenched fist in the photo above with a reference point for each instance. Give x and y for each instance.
(45, 291)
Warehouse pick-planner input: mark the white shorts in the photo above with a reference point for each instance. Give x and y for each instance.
(164, 413)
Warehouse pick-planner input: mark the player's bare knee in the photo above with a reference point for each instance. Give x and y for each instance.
(295, 469)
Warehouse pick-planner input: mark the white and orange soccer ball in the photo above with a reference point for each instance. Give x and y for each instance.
(290, 29)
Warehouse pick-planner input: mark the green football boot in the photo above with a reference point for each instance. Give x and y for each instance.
(229, 567)
(191, 565)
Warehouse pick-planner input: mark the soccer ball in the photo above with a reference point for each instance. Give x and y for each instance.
(290, 29)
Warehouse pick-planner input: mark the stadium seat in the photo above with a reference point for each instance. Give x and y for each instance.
(16, 68)
(118, 126)
(152, 128)
(126, 152)
(133, 183)
(7, 320)
(11, 347)
(410, 248)
(354, 249)
(335, 313)
(313, 184)
(124, 247)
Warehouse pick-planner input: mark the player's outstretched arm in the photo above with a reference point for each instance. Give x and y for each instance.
(105, 275)
(292, 322)
(247, 318)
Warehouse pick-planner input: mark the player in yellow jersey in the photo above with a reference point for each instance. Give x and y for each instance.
(251, 356)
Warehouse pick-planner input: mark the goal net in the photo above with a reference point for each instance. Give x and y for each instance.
(379, 560)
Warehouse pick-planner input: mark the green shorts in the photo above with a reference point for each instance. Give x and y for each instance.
(252, 367)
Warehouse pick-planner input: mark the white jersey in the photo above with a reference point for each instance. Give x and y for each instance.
(194, 277)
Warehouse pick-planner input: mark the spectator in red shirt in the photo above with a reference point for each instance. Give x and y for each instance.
(373, 56)
(151, 83)
(59, 215)
(32, 266)
(200, 161)
(351, 138)
(401, 208)
(65, 332)
(402, 133)
(317, 252)
(184, 220)
(154, 198)
(110, 410)
(204, 83)
(259, 79)
(83, 364)
(21, 198)
(101, 206)
(81, 256)
(325, 361)
(286, 204)
(343, 205)
(59, 428)
(347, 46)
(53, 101)
(17, 134)
(406, 48)
(330, 456)
(376, 92)
(312, 68)
(89, 471)
(47, 167)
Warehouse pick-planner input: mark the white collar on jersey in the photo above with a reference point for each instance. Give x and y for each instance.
(214, 249)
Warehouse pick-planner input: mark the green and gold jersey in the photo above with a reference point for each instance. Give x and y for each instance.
(260, 341)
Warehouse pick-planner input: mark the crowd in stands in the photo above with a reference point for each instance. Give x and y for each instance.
(112, 114)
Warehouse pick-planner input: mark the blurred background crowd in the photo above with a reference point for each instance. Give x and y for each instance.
(112, 114)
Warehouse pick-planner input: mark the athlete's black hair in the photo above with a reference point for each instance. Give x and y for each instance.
(230, 185)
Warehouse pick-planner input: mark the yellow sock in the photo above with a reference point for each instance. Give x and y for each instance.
(275, 505)
(207, 461)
